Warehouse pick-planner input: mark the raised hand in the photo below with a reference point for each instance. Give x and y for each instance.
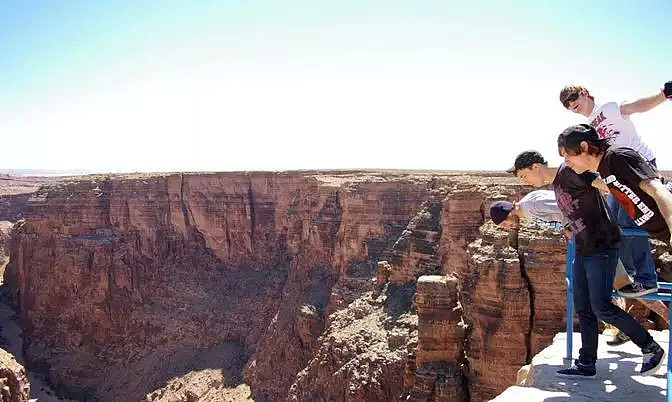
(667, 90)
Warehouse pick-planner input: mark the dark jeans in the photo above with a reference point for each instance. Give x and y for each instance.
(593, 278)
(635, 251)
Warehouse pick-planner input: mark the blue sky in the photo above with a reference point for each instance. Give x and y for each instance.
(229, 85)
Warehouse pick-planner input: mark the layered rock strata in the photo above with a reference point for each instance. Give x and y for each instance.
(541, 253)
(439, 356)
(496, 299)
(415, 252)
(370, 217)
(133, 284)
(113, 275)
(462, 215)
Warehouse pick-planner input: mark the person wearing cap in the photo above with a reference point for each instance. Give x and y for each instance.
(594, 266)
(612, 121)
(538, 204)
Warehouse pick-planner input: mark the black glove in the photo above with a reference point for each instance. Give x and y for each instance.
(667, 90)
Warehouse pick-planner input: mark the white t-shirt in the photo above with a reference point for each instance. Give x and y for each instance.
(609, 123)
(541, 204)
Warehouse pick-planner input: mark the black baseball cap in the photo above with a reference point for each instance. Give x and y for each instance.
(572, 136)
(499, 211)
(526, 159)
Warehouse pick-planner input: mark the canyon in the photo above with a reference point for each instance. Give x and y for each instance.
(296, 286)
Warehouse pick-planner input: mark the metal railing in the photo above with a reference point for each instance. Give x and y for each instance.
(571, 254)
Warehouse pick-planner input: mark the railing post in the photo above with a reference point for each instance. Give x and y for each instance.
(569, 319)
(669, 360)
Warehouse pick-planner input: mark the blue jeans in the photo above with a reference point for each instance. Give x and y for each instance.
(635, 251)
(593, 278)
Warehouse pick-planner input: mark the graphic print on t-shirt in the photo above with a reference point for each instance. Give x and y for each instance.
(625, 202)
(604, 128)
(569, 207)
(629, 200)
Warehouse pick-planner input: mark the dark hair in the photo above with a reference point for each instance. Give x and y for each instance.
(570, 140)
(526, 159)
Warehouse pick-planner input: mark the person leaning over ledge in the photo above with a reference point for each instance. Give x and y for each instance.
(594, 266)
(637, 259)
(542, 205)
(636, 185)
(537, 204)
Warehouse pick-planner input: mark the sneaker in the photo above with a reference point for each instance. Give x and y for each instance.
(578, 370)
(652, 359)
(636, 289)
(618, 339)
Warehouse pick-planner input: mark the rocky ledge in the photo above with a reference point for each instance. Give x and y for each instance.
(617, 378)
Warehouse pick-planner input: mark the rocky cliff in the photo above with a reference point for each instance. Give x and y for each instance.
(514, 303)
(301, 285)
(14, 386)
(116, 277)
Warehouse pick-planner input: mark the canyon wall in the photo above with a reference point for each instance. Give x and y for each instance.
(360, 286)
(123, 283)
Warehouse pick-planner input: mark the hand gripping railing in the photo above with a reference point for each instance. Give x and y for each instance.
(571, 254)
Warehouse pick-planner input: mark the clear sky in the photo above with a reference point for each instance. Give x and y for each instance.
(230, 85)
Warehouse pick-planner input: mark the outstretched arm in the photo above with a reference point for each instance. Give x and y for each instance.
(663, 198)
(643, 104)
(648, 103)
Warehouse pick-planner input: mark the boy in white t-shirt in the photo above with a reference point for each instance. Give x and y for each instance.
(537, 204)
(611, 120)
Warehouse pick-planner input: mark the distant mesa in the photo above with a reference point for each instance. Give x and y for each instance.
(44, 172)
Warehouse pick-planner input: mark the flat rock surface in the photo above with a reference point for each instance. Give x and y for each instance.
(617, 378)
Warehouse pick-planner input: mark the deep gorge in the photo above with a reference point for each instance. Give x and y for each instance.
(299, 285)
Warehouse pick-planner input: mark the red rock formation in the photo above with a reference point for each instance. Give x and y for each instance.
(5, 231)
(370, 217)
(461, 217)
(14, 386)
(542, 256)
(361, 355)
(496, 300)
(383, 270)
(415, 252)
(440, 330)
(113, 273)
(439, 355)
(126, 282)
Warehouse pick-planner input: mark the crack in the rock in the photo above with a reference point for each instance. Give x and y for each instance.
(250, 200)
(183, 204)
(188, 214)
(530, 289)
